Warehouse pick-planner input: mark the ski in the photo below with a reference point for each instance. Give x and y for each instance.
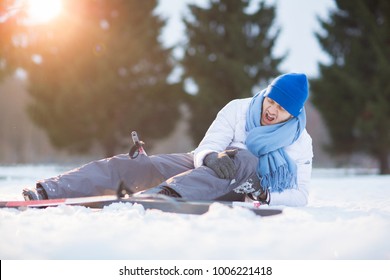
(159, 202)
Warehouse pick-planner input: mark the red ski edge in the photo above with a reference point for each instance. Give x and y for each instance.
(54, 202)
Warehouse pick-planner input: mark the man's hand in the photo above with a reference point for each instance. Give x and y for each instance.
(222, 163)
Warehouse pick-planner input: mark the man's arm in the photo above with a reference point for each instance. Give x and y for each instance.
(298, 196)
(302, 153)
(219, 135)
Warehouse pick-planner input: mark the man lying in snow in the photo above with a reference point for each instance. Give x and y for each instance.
(256, 148)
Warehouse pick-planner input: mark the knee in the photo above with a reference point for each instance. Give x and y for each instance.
(246, 158)
(246, 163)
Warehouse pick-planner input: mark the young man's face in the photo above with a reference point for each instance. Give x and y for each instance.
(273, 113)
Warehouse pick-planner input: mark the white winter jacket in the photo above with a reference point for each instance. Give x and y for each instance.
(228, 129)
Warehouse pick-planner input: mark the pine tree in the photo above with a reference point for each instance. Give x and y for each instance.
(228, 54)
(353, 91)
(99, 72)
(8, 26)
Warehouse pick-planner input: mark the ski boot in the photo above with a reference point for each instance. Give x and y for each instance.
(38, 193)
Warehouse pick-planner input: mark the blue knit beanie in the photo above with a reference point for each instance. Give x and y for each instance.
(290, 91)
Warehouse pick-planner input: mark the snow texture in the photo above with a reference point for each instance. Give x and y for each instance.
(348, 217)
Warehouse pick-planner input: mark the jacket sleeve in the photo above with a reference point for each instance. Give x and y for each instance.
(303, 155)
(219, 135)
(298, 196)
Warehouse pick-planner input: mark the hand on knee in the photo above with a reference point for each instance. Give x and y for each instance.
(222, 163)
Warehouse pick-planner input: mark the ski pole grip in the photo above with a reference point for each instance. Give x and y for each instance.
(135, 138)
(137, 147)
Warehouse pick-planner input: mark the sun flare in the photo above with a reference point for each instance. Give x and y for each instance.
(41, 11)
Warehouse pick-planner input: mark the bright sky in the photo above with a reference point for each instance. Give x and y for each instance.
(296, 18)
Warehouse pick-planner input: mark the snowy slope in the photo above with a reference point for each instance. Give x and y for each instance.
(348, 217)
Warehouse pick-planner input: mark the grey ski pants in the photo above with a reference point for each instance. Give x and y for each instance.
(103, 177)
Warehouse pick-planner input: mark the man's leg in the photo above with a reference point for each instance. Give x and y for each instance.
(103, 177)
(203, 183)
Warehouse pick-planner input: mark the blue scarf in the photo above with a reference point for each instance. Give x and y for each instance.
(276, 170)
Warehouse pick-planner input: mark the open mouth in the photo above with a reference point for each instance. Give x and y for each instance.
(269, 117)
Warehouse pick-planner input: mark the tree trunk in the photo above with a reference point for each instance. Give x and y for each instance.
(384, 165)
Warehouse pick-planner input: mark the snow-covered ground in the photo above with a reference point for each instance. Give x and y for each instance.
(348, 217)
